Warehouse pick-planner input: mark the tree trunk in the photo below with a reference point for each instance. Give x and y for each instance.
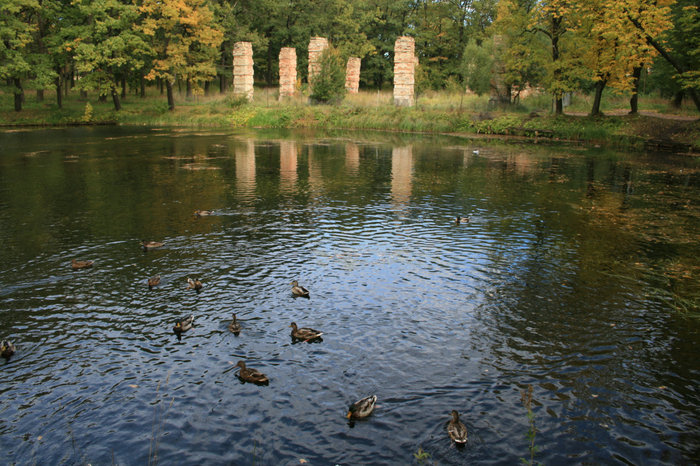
(115, 99)
(123, 87)
(599, 86)
(171, 99)
(559, 103)
(39, 95)
(160, 85)
(188, 87)
(83, 94)
(18, 91)
(664, 53)
(678, 99)
(143, 87)
(59, 92)
(634, 100)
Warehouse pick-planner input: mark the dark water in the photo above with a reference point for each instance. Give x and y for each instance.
(577, 274)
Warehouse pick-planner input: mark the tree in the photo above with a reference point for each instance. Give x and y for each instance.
(556, 20)
(478, 66)
(107, 46)
(328, 85)
(185, 42)
(16, 33)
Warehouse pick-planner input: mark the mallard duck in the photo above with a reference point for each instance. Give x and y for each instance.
(183, 325)
(153, 281)
(234, 326)
(304, 333)
(299, 290)
(247, 374)
(147, 245)
(193, 284)
(7, 349)
(459, 219)
(457, 430)
(363, 408)
(203, 213)
(76, 264)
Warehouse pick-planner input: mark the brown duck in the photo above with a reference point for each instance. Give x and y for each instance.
(248, 374)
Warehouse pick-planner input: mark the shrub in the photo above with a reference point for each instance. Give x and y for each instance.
(328, 86)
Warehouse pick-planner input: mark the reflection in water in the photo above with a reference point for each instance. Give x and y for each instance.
(569, 278)
(288, 165)
(245, 170)
(401, 174)
(352, 158)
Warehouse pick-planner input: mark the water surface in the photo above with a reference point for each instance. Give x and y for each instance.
(576, 274)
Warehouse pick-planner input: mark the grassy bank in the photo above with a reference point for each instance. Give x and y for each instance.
(439, 112)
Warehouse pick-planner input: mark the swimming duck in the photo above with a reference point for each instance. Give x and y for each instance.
(299, 290)
(247, 374)
(7, 349)
(459, 219)
(147, 245)
(183, 325)
(457, 430)
(153, 281)
(304, 333)
(363, 408)
(203, 213)
(76, 264)
(196, 284)
(234, 326)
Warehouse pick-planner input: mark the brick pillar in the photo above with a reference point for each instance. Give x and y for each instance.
(404, 67)
(288, 72)
(316, 47)
(243, 69)
(352, 75)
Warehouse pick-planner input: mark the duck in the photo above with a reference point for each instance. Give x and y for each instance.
(203, 213)
(248, 374)
(196, 284)
(153, 281)
(147, 245)
(362, 408)
(7, 349)
(299, 290)
(235, 326)
(459, 219)
(304, 333)
(76, 264)
(456, 430)
(183, 325)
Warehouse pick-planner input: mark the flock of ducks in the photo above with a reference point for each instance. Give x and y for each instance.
(358, 410)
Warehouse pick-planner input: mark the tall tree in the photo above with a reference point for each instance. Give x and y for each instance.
(185, 41)
(16, 33)
(107, 46)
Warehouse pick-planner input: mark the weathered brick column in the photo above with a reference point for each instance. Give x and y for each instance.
(316, 47)
(288, 72)
(352, 75)
(288, 164)
(243, 69)
(404, 67)
(352, 157)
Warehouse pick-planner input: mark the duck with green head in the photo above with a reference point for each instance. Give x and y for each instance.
(7, 349)
(183, 325)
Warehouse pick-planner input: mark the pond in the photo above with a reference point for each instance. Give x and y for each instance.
(575, 275)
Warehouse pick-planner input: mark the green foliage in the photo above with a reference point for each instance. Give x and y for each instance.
(328, 86)
(526, 399)
(421, 455)
(478, 66)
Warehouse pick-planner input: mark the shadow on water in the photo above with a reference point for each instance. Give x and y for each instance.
(575, 274)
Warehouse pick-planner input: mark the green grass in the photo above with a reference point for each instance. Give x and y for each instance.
(434, 112)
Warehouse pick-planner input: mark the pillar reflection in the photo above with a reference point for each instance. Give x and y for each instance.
(401, 174)
(352, 158)
(288, 164)
(245, 169)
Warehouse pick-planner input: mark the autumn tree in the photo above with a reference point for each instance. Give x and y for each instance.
(184, 40)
